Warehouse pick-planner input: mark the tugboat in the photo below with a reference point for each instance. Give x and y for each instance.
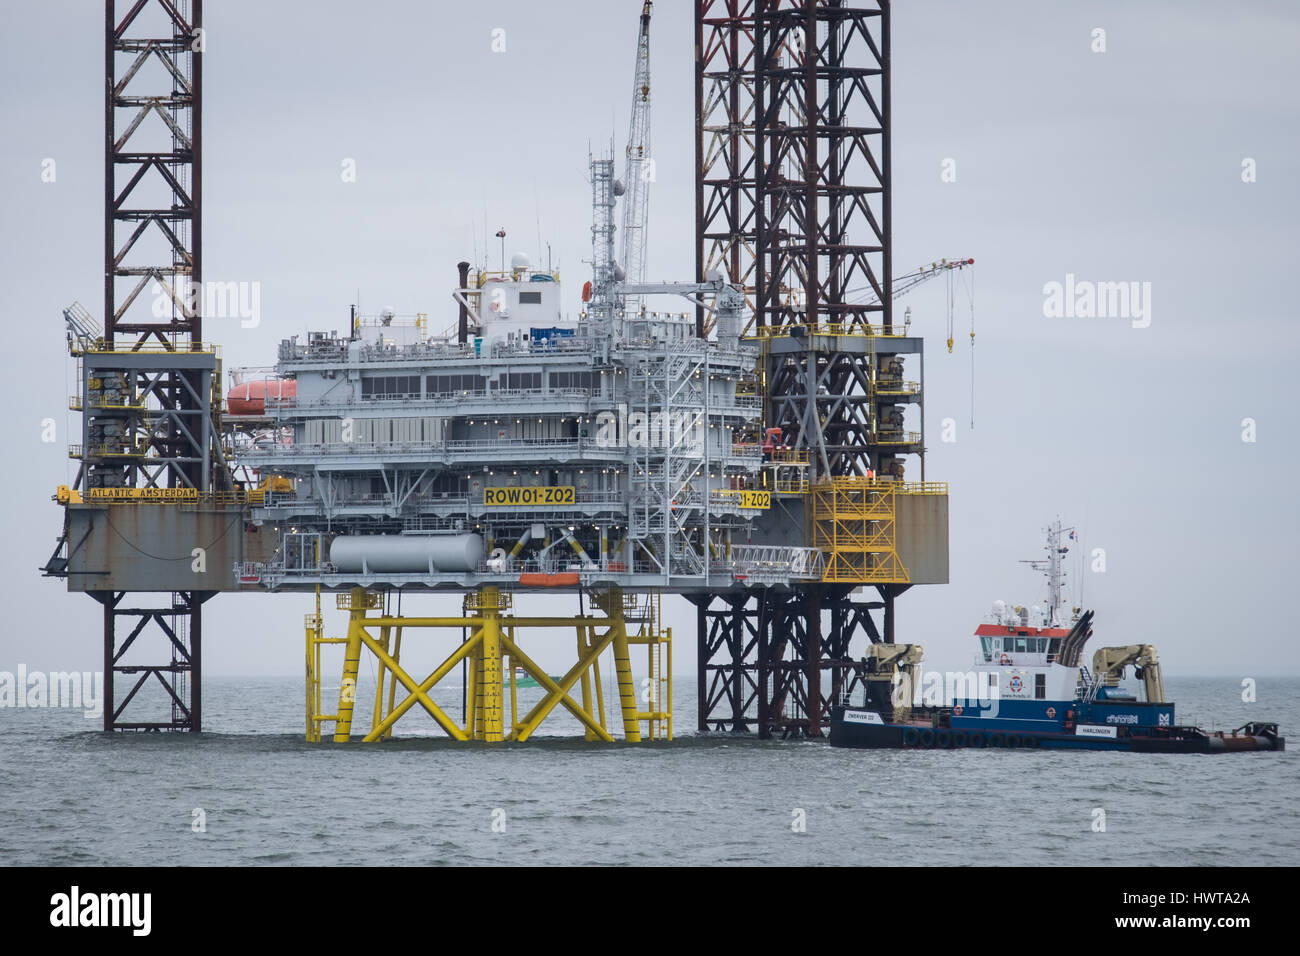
(1028, 688)
(523, 678)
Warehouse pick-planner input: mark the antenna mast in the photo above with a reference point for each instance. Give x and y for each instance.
(1053, 567)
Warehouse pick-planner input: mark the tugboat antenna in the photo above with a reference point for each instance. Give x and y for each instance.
(1054, 569)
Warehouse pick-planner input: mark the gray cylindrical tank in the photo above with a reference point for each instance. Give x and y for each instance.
(407, 553)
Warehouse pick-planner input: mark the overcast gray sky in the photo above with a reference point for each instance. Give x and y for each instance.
(1117, 166)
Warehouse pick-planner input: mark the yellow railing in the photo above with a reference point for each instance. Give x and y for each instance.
(898, 438)
(787, 456)
(857, 483)
(76, 404)
(921, 487)
(792, 486)
(485, 600)
(895, 388)
(153, 346)
(856, 329)
(172, 496)
(366, 600)
(107, 451)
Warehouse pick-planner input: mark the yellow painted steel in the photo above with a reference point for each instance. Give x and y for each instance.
(313, 628)
(613, 606)
(584, 643)
(600, 688)
(658, 692)
(852, 520)
(489, 644)
(385, 639)
(351, 664)
(418, 692)
(559, 693)
(836, 329)
(392, 679)
(488, 696)
(514, 693)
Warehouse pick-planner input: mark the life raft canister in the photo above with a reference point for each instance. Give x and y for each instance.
(586, 292)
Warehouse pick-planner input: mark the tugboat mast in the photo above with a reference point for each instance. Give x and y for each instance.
(1053, 568)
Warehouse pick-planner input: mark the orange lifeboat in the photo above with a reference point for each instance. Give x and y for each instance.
(557, 579)
(249, 398)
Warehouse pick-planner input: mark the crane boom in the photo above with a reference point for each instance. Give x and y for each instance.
(639, 171)
(906, 283)
(1109, 662)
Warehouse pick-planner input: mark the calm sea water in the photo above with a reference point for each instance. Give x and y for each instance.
(71, 795)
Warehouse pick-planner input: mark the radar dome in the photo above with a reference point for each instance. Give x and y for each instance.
(519, 262)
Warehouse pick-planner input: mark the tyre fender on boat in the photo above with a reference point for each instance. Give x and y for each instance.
(997, 740)
(959, 739)
(911, 737)
(927, 738)
(943, 739)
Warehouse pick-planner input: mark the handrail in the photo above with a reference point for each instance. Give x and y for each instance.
(172, 496)
(789, 456)
(898, 438)
(826, 328)
(154, 346)
(76, 403)
(896, 387)
(794, 486)
(439, 398)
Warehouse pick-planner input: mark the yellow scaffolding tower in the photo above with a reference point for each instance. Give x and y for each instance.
(491, 651)
(853, 524)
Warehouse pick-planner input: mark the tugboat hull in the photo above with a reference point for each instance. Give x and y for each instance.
(863, 729)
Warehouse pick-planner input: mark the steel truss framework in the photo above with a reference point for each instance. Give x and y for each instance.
(488, 649)
(793, 201)
(767, 664)
(179, 628)
(725, 186)
(152, 244)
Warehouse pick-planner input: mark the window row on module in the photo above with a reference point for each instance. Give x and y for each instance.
(409, 386)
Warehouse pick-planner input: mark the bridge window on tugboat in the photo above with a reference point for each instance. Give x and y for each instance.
(1053, 649)
(986, 644)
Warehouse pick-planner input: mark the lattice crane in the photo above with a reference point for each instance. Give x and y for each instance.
(639, 171)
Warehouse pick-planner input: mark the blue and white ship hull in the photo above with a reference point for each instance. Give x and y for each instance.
(860, 728)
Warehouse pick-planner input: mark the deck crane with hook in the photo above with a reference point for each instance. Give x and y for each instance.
(949, 268)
